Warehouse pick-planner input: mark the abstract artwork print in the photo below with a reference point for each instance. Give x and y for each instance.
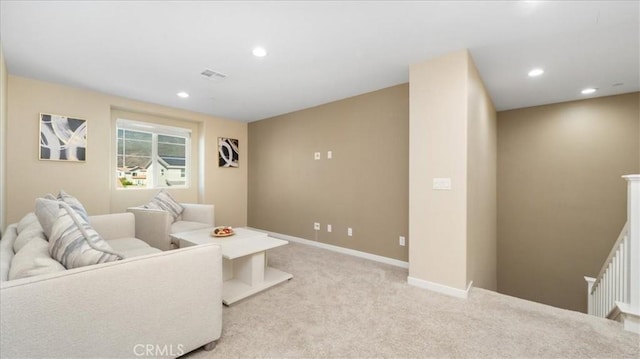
(62, 138)
(227, 152)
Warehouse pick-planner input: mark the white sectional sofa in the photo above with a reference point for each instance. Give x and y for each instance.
(155, 225)
(151, 303)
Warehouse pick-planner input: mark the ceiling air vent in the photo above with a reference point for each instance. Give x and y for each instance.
(213, 74)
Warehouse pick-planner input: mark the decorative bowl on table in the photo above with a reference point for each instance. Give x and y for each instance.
(222, 231)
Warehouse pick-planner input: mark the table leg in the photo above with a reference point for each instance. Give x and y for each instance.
(250, 269)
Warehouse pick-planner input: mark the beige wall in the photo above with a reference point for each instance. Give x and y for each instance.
(561, 201)
(3, 139)
(363, 187)
(482, 211)
(452, 135)
(93, 181)
(438, 148)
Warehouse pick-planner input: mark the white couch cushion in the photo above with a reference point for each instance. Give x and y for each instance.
(72, 241)
(187, 226)
(131, 247)
(33, 259)
(140, 252)
(122, 245)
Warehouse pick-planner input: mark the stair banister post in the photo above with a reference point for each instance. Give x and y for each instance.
(590, 303)
(633, 219)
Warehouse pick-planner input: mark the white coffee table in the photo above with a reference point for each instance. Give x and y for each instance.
(244, 260)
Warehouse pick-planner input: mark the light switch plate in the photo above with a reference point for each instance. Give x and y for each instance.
(316, 155)
(442, 183)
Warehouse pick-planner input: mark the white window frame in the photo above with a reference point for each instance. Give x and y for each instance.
(155, 130)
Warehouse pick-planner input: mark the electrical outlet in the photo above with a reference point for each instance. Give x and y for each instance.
(350, 232)
(316, 226)
(329, 228)
(402, 241)
(329, 155)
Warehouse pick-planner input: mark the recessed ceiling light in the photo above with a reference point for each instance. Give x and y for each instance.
(259, 52)
(536, 72)
(588, 91)
(182, 94)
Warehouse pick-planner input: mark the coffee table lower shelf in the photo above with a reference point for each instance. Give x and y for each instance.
(234, 290)
(245, 268)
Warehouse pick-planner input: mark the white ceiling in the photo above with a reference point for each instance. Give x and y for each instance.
(318, 52)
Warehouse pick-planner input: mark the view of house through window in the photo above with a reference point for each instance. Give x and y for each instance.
(151, 156)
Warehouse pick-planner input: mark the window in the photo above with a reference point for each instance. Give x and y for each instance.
(152, 156)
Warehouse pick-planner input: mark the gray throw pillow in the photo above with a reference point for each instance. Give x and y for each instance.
(165, 202)
(72, 241)
(74, 203)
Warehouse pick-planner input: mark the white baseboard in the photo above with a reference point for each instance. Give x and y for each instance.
(352, 252)
(440, 288)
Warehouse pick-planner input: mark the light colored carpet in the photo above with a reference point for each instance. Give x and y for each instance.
(339, 306)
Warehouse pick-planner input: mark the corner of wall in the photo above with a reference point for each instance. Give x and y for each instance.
(453, 135)
(482, 212)
(438, 142)
(3, 134)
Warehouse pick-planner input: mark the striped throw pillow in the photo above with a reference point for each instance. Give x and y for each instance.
(163, 201)
(72, 241)
(74, 203)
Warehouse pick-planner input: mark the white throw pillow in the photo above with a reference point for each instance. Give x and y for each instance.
(26, 221)
(33, 259)
(47, 210)
(28, 228)
(34, 230)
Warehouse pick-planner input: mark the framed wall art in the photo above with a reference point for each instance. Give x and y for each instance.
(62, 138)
(228, 152)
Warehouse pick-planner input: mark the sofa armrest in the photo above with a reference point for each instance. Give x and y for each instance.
(169, 301)
(113, 226)
(153, 226)
(203, 213)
